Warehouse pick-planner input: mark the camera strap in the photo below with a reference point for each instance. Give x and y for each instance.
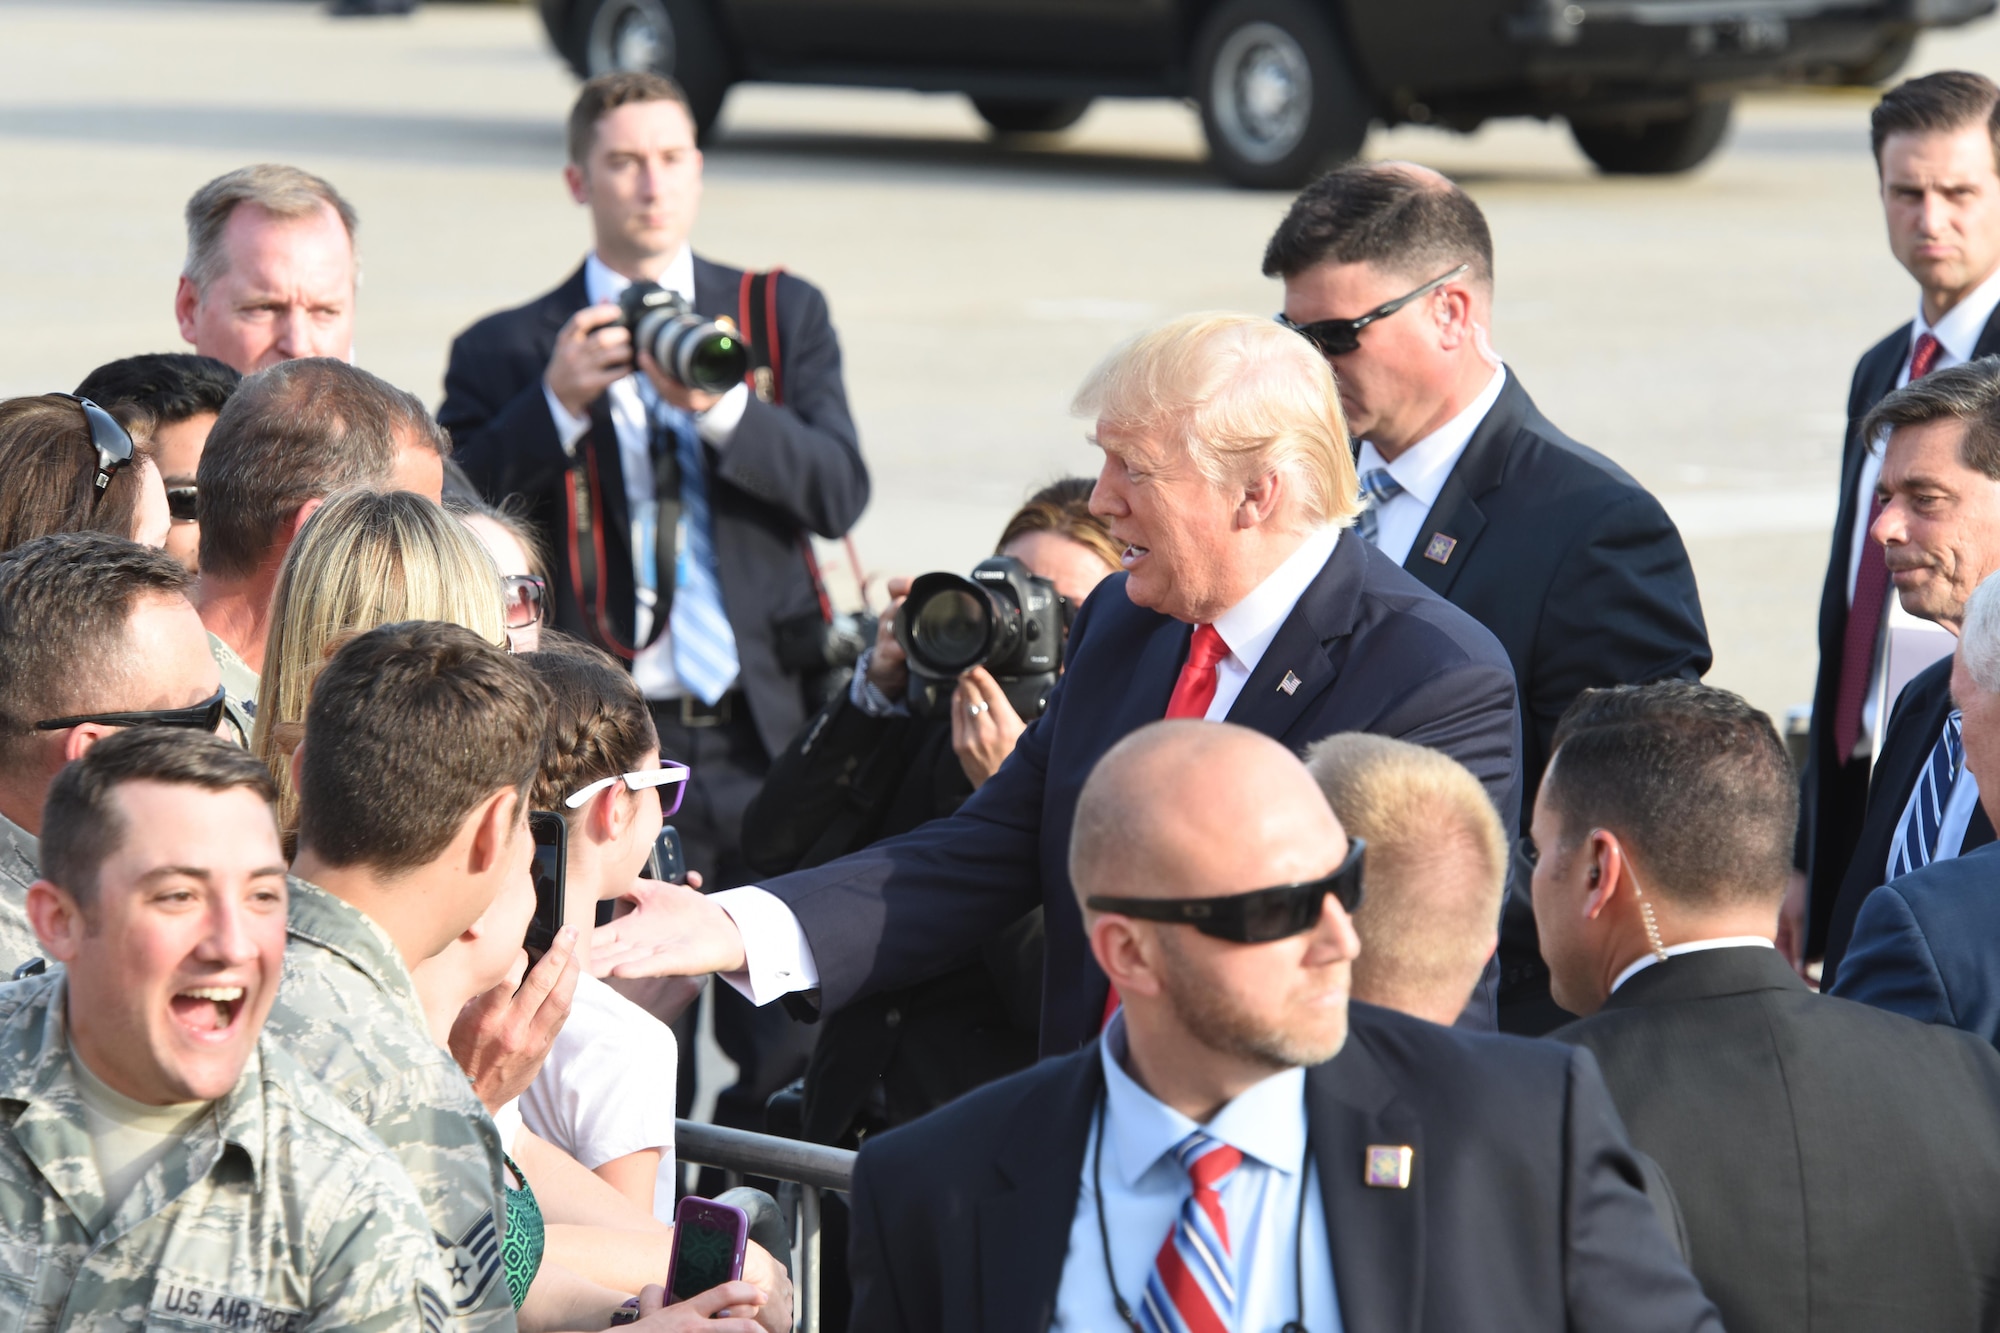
(583, 494)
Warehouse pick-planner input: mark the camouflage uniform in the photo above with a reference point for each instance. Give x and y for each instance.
(239, 690)
(348, 1011)
(277, 1213)
(20, 866)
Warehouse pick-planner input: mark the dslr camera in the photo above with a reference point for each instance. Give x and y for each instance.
(697, 351)
(1003, 618)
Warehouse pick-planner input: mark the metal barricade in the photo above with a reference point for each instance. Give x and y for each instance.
(810, 1166)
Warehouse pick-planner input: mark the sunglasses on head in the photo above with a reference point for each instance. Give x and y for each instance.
(111, 440)
(1338, 337)
(204, 716)
(668, 773)
(181, 503)
(1256, 917)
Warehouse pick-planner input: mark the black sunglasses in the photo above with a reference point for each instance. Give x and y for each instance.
(1338, 337)
(1256, 917)
(111, 440)
(204, 716)
(181, 502)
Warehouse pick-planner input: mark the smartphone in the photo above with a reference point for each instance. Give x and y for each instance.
(709, 1240)
(551, 836)
(668, 863)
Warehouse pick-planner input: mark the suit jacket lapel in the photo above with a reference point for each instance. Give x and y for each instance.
(1376, 1233)
(1325, 612)
(1024, 1230)
(1455, 515)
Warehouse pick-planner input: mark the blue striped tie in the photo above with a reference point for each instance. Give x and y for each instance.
(1917, 834)
(1192, 1288)
(704, 644)
(1377, 489)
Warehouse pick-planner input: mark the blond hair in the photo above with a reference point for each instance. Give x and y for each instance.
(365, 558)
(1242, 397)
(1426, 920)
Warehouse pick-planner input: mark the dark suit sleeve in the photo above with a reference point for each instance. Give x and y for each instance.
(1469, 712)
(1621, 1272)
(802, 456)
(1622, 610)
(876, 1304)
(498, 417)
(1889, 962)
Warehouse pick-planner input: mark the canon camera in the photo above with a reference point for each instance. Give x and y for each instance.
(696, 351)
(1003, 618)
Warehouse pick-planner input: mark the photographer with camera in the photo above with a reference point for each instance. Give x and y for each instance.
(677, 498)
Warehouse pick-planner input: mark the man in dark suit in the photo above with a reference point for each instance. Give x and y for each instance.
(1228, 480)
(1938, 527)
(1575, 568)
(1252, 1148)
(1837, 1167)
(1935, 154)
(678, 518)
(1923, 944)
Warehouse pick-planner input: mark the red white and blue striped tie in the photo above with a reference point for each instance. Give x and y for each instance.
(1192, 1288)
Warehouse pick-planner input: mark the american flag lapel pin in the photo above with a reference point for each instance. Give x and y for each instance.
(1440, 547)
(1290, 684)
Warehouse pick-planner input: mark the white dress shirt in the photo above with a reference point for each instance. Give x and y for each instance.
(1958, 336)
(653, 669)
(1421, 471)
(1646, 960)
(779, 959)
(1144, 1188)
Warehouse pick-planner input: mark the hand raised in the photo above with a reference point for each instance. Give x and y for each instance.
(501, 1037)
(671, 931)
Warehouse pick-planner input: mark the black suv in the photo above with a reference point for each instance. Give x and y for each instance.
(1286, 87)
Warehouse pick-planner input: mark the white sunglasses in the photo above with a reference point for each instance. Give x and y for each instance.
(667, 773)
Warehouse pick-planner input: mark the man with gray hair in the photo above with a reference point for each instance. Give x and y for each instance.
(1923, 944)
(270, 271)
(1939, 528)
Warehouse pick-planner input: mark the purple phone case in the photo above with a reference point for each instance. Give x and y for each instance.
(710, 1215)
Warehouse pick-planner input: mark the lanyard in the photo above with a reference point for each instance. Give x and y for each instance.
(1104, 1233)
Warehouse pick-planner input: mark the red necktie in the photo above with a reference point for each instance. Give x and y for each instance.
(1871, 593)
(1193, 1284)
(1193, 693)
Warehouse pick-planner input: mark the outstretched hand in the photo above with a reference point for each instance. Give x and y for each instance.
(671, 931)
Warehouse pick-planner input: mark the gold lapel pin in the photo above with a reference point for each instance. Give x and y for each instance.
(1290, 684)
(1388, 1166)
(1440, 547)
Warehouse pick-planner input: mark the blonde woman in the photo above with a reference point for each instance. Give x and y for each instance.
(365, 558)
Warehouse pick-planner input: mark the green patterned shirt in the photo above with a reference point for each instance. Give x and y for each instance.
(20, 866)
(277, 1213)
(348, 1011)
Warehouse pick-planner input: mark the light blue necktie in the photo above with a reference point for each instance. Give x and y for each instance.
(1377, 489)
(1917, 834)
(704, 645)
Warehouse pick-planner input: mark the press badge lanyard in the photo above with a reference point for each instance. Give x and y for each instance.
(1104, 1233)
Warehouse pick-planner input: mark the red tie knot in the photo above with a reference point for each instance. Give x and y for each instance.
(1206, 649)
(1923, 357)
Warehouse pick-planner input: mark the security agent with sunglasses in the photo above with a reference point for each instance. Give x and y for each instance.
(97, 634)
(1574, 567)
(1255, 1152)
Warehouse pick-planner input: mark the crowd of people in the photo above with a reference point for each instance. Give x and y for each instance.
(1377, 925)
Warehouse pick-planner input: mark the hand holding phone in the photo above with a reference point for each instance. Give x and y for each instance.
(550, 869)
(709, 1241)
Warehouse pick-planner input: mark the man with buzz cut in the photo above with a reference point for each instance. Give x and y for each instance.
(161, 1165)
(421, 742)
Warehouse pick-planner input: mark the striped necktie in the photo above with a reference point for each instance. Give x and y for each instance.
(1377, 489)
(1917, 834)
(704, 644)
(1192, 1288)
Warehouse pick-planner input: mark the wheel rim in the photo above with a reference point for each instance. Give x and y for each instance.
(631, 35)
(1262, 91)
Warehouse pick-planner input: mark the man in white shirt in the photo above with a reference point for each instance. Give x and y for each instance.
(678, 519)
(1935, 153)
(1575, 567)
(1228, 478)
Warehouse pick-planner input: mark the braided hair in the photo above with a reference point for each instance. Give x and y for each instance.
(598, 725)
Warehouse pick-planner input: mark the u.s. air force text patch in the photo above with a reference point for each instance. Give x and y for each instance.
(472, 1261)
(215, 1309)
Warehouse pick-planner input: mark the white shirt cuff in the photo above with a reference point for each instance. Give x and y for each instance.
(569, 429)
(718, 424)
(779, 960)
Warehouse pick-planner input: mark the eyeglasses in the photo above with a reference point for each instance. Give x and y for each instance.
(111, 440)
(522, 601)
(181, 502)
(1338, 337)
(204, 716)
(1256, 917)
(668, 773)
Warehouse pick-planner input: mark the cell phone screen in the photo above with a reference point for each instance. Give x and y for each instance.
(551, 851)
(705, 1255)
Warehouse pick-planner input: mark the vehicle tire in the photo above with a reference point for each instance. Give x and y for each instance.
(1280, 101)
(1030, 115)
(677, 38)
(1654, 147)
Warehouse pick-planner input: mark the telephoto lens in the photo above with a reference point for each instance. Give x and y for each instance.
(699, 352)
(1003, 618)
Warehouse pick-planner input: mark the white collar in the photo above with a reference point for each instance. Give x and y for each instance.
(1422, 468)
(1646, 960)
(1961, 326)
(1249, 626)
(1266, 1121)
(602, 283)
